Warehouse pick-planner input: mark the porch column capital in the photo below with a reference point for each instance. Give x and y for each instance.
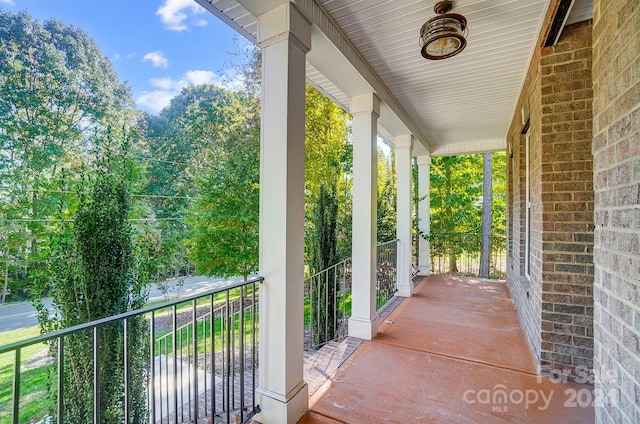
(423, 160)
(285, 22)
(406, 140)
(364, 104)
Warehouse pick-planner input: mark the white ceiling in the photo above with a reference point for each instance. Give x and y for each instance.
(461, 104)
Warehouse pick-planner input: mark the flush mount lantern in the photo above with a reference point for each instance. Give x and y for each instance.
(443, 36)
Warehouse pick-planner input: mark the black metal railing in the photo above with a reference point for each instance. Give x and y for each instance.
(327, 303)
(328, 296)
(387, 271)
(458, 253)
(201, 362)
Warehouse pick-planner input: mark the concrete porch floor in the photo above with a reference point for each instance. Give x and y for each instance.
(452, 353)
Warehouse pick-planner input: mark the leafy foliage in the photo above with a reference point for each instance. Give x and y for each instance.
(224, 217)
(456, 205)
(57, 92)
(386, 200)
(93, 278)
(324, 254)
(328, 162)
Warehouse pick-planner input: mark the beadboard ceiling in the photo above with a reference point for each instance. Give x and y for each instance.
(461, 104)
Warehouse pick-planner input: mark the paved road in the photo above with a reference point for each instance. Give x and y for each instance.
(19, 315)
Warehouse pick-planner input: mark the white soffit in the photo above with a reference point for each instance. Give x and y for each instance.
(582, 10)
(467, 100)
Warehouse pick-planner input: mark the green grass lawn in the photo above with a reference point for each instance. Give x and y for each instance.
(346, 304)
(204, 331)
(33, 380)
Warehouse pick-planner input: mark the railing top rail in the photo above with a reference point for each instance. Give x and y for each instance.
(346, 260)
(96, 323)
(328, 268)
(387, 242)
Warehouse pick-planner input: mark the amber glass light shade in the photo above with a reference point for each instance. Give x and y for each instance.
(443, 36)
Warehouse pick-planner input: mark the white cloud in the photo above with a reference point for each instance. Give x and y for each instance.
(174, 13)
(202, 77)
(156, 58)
(167, 84)
(10, 2)
(166, 88)
(202, 22)
(155, 101)
(117, 56)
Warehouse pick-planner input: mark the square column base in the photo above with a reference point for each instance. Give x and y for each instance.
(404, 289)
(274, 408)
(363, 328)
(424, 271)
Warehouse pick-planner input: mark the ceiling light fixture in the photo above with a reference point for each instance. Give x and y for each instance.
(443, 36)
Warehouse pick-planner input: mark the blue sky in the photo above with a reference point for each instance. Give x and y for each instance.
(156, 46)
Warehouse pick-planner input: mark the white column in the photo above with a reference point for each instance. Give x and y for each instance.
(284, 35)
(404, 144)
(424, 213)
(364, 320)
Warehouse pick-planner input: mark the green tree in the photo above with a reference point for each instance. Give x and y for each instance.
(456, 190)
(386, 199)
(328, 162)
(211, 136)
(456, 206)
(487, 205)
(224, 215)
(93, 266)
(499, 205)
(56, 91)
(323, 300)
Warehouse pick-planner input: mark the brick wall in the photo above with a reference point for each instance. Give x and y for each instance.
(555, 304)
(526, 294)
(567, 202)
(616, 152)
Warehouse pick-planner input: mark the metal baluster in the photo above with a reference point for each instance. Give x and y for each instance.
(253, 345)
(152, 381)
(60, 403)
(204, 344)
(195, 359)
(127, 406)
(344, 297)
(336, 329)
(174, 341)
(326, 305)
(241, 355)
(312, 309)
(16, 387)
(160, 377)
(188, 374)
(96, 375)
(228, 360)
(213, 357)
(233, 356)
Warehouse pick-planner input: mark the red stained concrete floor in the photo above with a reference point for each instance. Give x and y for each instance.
(452, 353)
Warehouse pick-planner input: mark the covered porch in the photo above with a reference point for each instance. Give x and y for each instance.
(452, 353)
(555, 84)
(538, 79)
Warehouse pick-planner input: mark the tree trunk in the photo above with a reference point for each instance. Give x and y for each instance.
(6, 277)
(453, 261)
(487, 197)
